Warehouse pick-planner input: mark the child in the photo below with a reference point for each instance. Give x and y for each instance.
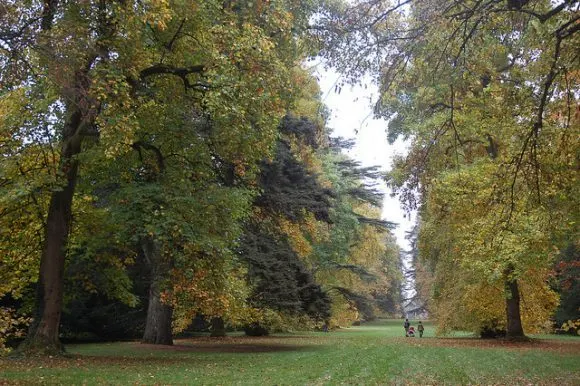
(420, 328)
(411, 332)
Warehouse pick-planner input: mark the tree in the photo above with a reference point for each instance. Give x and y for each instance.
(473, 267)
(68, 112)
(290, 195)
(417, 273)
(87, 76)
(567, 271)
(477, 83)
(357, 260)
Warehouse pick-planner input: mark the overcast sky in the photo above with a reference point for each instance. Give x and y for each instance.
(350, 117)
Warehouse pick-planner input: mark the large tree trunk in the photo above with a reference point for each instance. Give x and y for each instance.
(159, 314)
(514, 320)
(43, 335)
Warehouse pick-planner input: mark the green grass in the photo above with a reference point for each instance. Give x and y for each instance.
(376, 353)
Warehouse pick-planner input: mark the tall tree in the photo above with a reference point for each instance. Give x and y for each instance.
(358, 260)
(40, 57)
(92, 69)
(290, 194)
(477, 83)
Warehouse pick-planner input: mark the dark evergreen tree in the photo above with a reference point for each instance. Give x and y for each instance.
(289, 191)
(281, 280)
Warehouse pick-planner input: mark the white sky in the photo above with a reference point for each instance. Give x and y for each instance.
(351, 117)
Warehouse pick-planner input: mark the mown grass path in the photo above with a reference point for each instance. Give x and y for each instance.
(372, 354)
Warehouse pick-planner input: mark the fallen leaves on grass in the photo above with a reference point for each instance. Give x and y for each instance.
(568, 347)
(234, 344)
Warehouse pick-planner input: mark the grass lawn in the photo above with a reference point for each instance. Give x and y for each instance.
(375, 353)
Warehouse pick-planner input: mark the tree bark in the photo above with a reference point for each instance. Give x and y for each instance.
(514, 321)
(159, 314)
(43, 335)
(218, 328)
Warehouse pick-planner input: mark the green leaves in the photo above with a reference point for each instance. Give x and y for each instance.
(172, 106)
(482, 93)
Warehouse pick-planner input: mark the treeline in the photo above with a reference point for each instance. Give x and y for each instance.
(487, 93)
(165, 162)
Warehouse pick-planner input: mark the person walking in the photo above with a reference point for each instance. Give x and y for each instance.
(406, 325)
(420, 328)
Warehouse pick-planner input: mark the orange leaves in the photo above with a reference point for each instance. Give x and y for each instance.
(157, 13)
(212, 288)
(297, 238)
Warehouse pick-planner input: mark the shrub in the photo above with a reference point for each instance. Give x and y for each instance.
(12, 327)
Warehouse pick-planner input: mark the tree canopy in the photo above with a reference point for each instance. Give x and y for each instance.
(487, 94)
(167, 156)
(173, 159)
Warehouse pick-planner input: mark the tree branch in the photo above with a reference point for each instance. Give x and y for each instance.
(169, 45)
(553, 12)
(48, 12)
(141, 144)
(181, 72)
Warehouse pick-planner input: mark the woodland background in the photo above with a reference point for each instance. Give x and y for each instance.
(165, 162)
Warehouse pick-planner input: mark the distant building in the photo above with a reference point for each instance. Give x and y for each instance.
(414, 309)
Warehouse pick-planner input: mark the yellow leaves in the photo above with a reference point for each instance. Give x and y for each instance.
(117, 132)
(12, 326)
(482, 302)
(21, 234)
(461, 231)
(118, 117)
(306, 155)
(87, 198)
(296, 237)
(572, 325)
(343, 312)
(369, 251)
(157, 13)
(12, 110)
(538, 300)
(213, 288)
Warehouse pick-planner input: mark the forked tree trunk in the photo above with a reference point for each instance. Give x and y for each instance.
(43, 335)
(159, 314)
(514, 321)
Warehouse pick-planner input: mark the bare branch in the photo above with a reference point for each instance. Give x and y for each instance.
(546, 16)
(181, 72)
(160, 159)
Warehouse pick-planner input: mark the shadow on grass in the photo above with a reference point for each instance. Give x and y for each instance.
(133, 354)
(241, 345)
(243, 348)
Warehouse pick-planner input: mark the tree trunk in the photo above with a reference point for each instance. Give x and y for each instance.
(43, 335)
(159, 314)
(218, 328)
(514, 321)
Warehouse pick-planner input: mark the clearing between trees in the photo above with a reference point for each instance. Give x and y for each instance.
(375, 353)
